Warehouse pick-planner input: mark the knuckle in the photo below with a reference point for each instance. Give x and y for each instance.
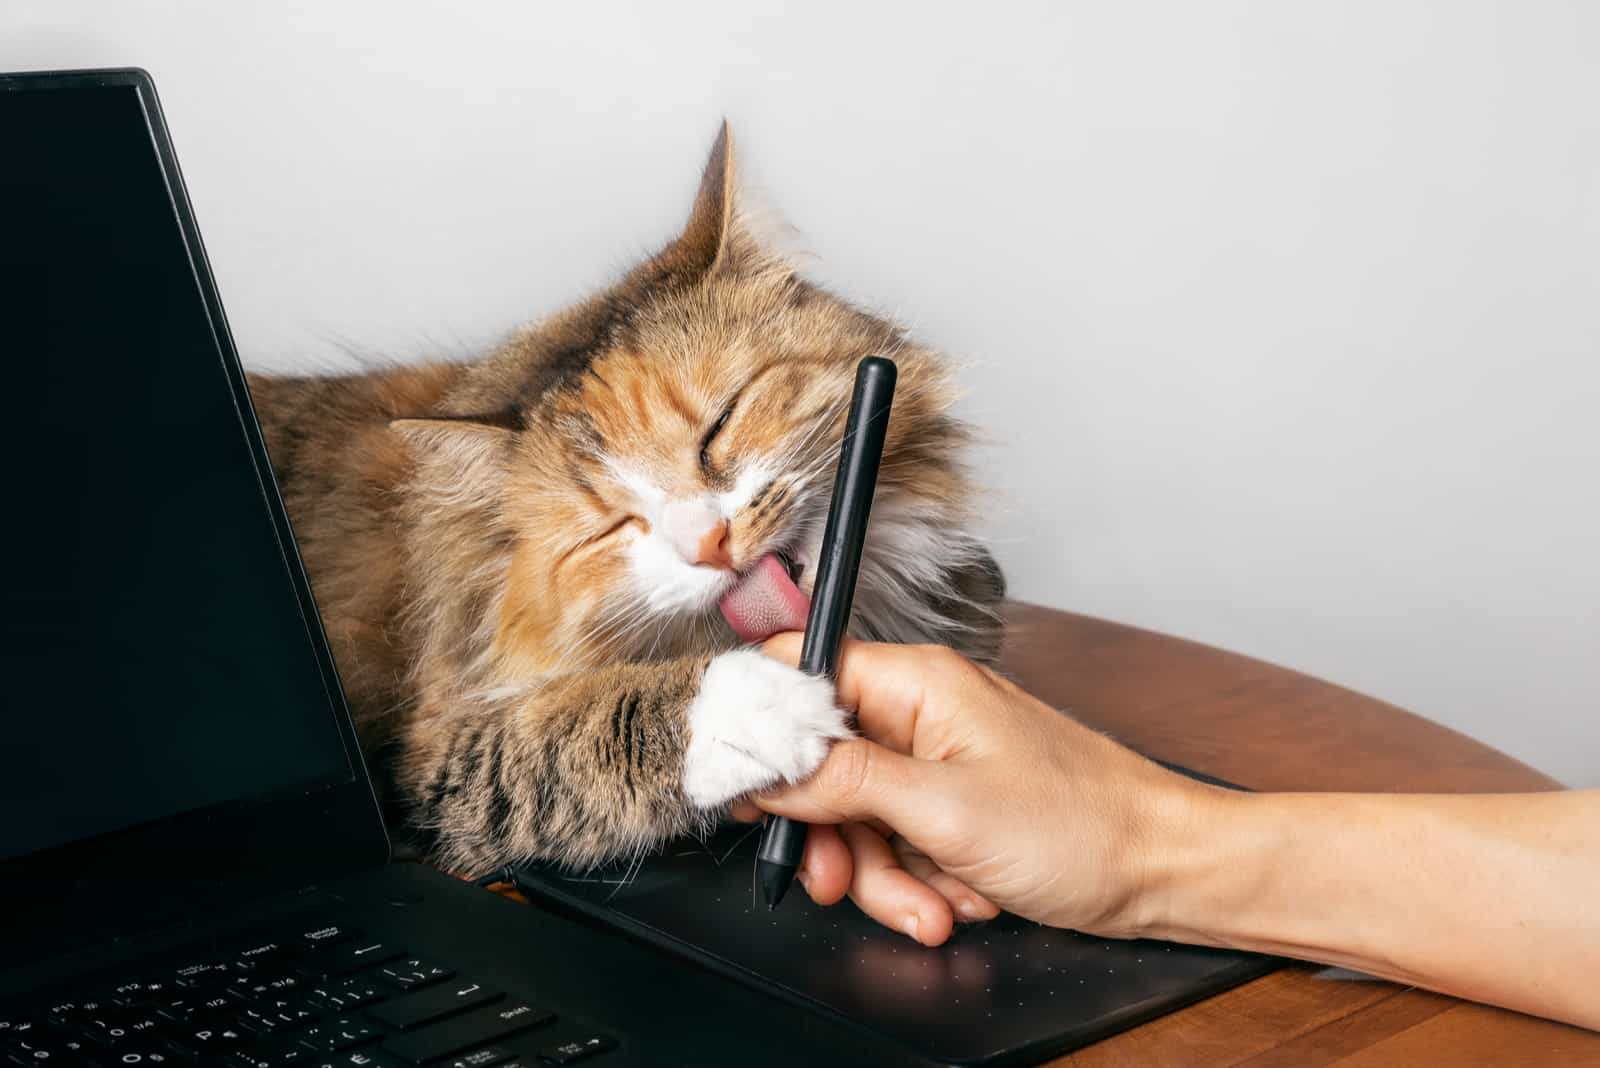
(951, 667)
(843, 777)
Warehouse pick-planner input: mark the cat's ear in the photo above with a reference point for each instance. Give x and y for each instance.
(462, 456)
(716, 235)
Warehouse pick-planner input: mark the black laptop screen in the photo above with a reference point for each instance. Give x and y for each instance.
(154, 658)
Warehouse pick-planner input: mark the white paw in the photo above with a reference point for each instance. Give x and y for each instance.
(754, 722)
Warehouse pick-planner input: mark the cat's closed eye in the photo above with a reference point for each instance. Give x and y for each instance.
(716, 428)
(606, 535)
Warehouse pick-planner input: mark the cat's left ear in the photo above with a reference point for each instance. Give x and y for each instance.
(716, 236)
(462, 457)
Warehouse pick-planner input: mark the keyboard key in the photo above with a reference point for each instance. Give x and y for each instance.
(286, 1013)
(288, 1053)
(45, 1048)
(137, 1055)
(221, 1037)
(241, 986)
(96, 1006)
(253, 987)
(50, 1059)
(360, 1058)
(256, 1022)
(105, 1029)
(339, 1033)
(195, 1008)
(258, 951)
(181, 1055)
(328, 935)
(138, 991)
(201, 974)
(461, 1033)
(13, 1027)
(413, 972)
(312, 969)
(107, 998)
(138, 1023)
(125, 994)
(414, 1010)
(481, 1058)
(259, 1057)
(191, 1005)
(350, 994)
(577, 1049)
(358, 955)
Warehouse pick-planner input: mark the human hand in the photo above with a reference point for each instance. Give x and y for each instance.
(966, 794)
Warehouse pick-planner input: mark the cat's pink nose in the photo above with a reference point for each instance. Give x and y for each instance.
(712, 549)
(699, 533)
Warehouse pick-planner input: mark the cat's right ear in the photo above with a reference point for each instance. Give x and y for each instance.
(462, 456)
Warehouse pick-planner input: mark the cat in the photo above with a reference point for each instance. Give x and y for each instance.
(518, 558)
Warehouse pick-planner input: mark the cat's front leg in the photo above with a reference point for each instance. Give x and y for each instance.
(755, 721)
(601, 764)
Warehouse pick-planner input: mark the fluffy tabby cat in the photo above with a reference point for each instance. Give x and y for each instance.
(518, 559)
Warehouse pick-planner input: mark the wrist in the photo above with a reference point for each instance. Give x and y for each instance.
(1242, 871)
(1200, 845)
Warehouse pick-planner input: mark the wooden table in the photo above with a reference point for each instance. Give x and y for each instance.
(1272, 729)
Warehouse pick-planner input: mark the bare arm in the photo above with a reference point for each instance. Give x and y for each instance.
(994, 799)
(1492, 897)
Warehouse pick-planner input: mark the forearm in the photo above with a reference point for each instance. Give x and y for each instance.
(1490, 897)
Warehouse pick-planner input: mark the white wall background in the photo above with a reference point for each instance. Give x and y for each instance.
(1285, 317)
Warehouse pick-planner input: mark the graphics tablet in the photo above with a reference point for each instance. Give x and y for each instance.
(1002, 992)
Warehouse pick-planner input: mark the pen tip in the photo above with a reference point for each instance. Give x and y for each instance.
(775, 880)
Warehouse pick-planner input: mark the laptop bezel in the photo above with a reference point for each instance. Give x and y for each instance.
(185, 866)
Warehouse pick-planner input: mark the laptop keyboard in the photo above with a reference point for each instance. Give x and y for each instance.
(308, 996)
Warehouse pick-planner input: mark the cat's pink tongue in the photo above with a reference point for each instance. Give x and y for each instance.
(765, 602)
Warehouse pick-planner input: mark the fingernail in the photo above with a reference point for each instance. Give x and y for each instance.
(910, 927)
(804, 880)
(969, 910)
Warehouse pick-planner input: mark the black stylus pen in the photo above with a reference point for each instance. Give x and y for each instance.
(783, 841)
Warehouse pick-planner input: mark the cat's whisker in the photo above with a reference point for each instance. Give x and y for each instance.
(754, 827)
(631, 872)
(820, 426)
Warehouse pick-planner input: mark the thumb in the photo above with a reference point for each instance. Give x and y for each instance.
(858, 780)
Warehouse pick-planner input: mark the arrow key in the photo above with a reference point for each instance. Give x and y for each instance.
(577, 1049)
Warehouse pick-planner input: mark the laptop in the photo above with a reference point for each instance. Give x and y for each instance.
(193, 868)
